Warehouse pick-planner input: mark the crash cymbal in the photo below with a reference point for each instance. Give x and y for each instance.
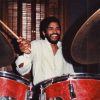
(85, 48)
(6, 51)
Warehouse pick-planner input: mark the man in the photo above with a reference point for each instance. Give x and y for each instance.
(44, 57)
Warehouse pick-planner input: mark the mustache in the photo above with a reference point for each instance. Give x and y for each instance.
(55, 34)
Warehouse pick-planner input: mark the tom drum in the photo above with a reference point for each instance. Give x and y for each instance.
(13, 87)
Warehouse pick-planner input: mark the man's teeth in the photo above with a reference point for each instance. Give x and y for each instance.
(54, 35)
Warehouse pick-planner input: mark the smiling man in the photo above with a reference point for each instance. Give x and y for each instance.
(45, 57)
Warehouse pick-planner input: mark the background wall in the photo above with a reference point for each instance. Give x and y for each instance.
(72, 14)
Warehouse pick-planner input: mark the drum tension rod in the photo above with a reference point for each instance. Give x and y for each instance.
(72, 92)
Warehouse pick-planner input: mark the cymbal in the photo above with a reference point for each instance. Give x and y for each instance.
(6, 51)
(85, 48)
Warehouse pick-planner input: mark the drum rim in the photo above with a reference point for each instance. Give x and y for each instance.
(50, 81)
(84, 76)
(13, 76)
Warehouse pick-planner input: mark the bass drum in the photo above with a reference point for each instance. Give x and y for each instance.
(54, 89)
(13, 87)
(84, 86)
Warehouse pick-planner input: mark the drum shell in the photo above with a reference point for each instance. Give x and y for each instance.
(58, 90)
(13, 86)
(86, 86)
(76, 86)
(54, 87)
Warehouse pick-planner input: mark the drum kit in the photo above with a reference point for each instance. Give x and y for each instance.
(77, 86)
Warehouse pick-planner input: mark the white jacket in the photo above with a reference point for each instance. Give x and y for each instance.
(43, 62)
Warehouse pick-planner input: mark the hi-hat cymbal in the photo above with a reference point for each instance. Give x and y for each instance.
(85, 48)
(6, 51)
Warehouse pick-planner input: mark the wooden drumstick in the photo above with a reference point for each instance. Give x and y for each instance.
(11, 31)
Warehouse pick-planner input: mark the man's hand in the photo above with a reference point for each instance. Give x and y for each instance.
(24, 45)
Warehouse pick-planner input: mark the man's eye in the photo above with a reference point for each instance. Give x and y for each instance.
(50, 28)
(53, 29)
(58, 28)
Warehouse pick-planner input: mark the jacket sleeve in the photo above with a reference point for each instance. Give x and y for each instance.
(27, 63)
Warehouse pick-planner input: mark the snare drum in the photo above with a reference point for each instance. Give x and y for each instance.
(55, 89)
(85, 86)
(13, 87)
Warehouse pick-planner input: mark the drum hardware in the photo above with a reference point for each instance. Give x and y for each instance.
(41, 86)
(72, 92)
(29, 93)
(71, 87)
(84, 76)
(42, 95)
(46, 83)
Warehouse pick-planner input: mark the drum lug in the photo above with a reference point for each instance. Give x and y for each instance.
(72, 92)
(29, 93)
(42, 95)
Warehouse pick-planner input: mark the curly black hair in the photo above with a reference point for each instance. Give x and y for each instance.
(44, 24)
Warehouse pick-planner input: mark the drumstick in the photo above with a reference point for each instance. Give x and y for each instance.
(11, 31)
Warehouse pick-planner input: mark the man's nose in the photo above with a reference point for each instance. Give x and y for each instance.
(54, 30)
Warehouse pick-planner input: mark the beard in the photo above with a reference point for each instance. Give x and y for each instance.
(49, 38)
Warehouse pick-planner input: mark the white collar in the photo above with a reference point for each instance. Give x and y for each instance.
(58, 44)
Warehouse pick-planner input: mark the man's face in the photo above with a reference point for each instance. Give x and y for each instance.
(53, 33)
